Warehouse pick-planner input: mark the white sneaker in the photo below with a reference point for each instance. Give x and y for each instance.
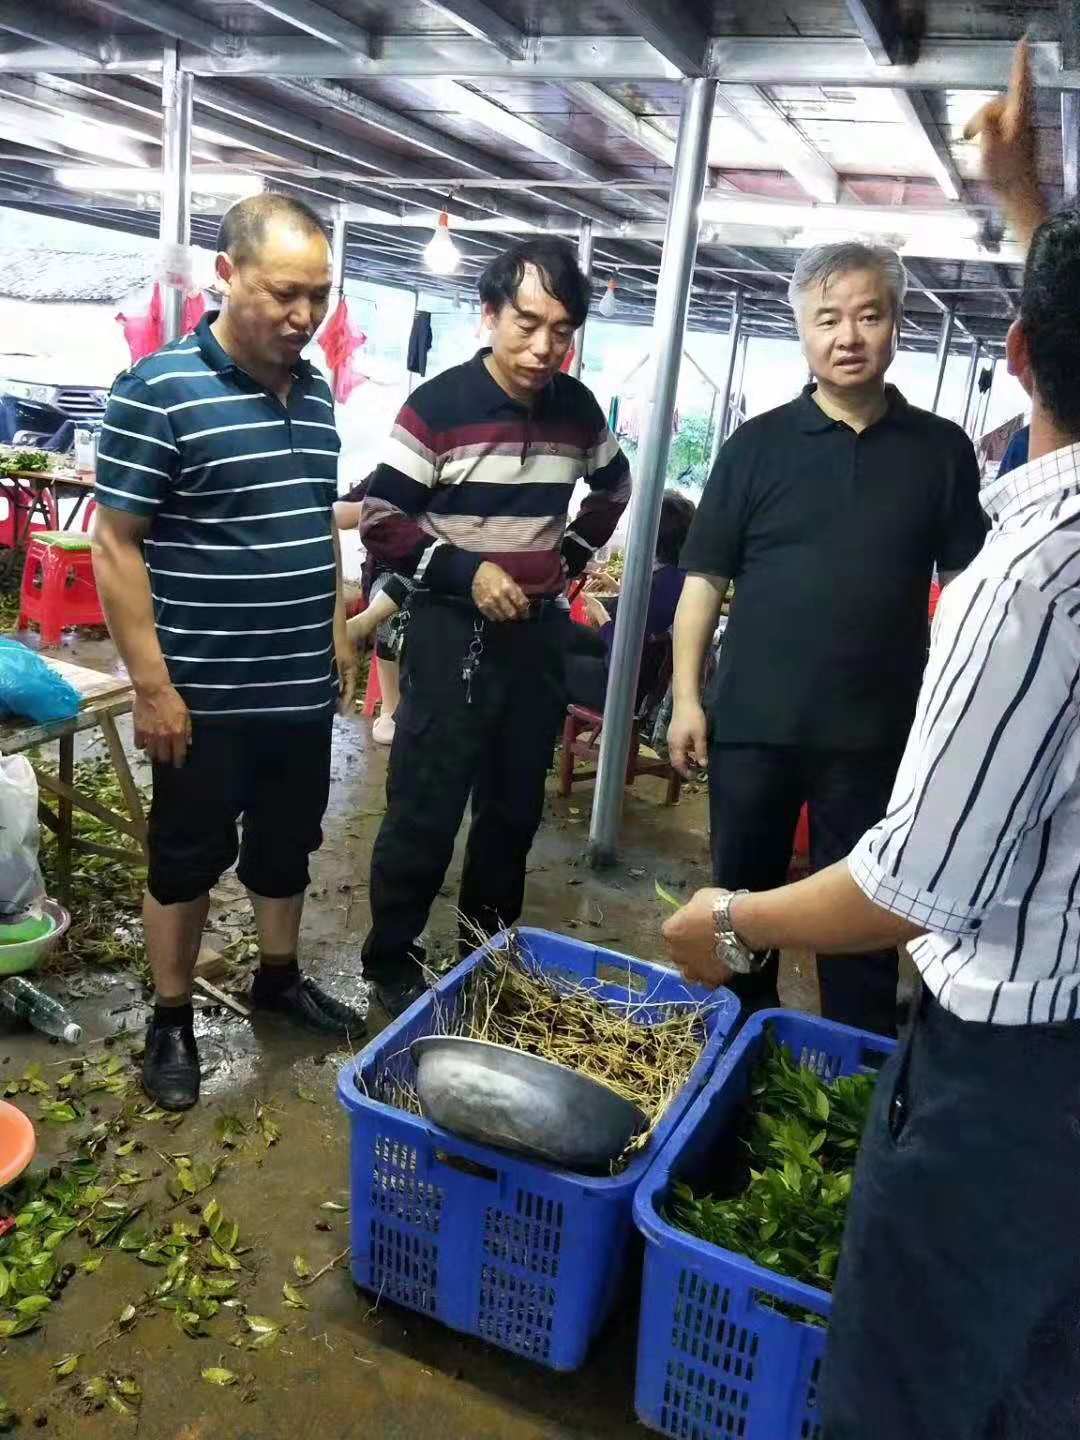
(382, 732)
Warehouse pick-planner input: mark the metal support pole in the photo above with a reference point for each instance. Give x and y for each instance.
(341, 212)
(969, 383)
(175, 175)
(672, 304)
(585, 248)
(738, 388)
(948, 321)
(729, 374)
(1070, 145)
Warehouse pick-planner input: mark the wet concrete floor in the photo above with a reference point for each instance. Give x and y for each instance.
(348, 1366)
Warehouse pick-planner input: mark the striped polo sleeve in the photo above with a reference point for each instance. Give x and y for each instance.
(137, 453)
(607, 474)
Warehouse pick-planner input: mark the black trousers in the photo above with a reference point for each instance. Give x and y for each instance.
(755, 795)
(956, 1311)
(493, 741)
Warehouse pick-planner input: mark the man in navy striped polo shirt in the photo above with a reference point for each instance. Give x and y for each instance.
(482, 464)
(219, 572)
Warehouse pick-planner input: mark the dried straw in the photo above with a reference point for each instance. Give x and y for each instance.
(641, 1049)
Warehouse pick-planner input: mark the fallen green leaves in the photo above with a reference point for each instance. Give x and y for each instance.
(117, 1392)
(65, 1366)
(217, 1375)
(293, 1299)
(268, 1128)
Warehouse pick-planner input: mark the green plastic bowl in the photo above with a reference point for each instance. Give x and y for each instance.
(27, 955)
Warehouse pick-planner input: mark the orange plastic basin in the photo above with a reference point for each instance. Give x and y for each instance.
(17, 1142)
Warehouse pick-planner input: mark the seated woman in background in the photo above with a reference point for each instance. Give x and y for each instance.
(384, 593)
(587, 673)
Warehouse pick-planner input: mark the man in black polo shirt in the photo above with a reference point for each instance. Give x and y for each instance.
(219, 573)
(482, 464)
(830, 514)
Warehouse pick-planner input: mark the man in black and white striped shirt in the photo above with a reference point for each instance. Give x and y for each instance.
(219, 571)
(957, 1302)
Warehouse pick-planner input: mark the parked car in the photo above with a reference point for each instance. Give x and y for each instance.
(33, 406)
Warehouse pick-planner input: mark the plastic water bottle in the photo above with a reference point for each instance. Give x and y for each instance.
(38, 1009)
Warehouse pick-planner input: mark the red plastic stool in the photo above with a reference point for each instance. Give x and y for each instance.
(58, 588)
(800, 859)
(15, 508)
(373, 693)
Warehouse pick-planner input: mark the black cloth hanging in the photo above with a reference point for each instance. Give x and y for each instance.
(419, 342)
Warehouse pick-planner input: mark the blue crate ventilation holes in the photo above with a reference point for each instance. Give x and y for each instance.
(714, 1363)
(516, 1251)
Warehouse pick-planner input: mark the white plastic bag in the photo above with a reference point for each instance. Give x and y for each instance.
(21, 885)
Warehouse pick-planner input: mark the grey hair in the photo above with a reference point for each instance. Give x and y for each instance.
(817, 266)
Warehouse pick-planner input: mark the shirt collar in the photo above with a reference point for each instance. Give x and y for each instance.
(497, 396)
(813, 420)
(219, 359)
(1057, 473)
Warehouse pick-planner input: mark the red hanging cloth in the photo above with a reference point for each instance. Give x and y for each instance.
(569, 360)
(145, 331)
(194, 310)
(340, 340)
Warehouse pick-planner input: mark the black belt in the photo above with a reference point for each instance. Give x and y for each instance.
(541, 607)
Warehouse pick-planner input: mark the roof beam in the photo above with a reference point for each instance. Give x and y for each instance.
(759, 114)
(881, 25)
(30, 22)
(23, 122)
(615, 115)
(436, 142)
(670, 29)
(480, 21)
(169, 20)
(942, 65)
(318, 22)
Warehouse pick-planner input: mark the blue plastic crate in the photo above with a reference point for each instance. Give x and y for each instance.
(714, 1363)
(518, 1252)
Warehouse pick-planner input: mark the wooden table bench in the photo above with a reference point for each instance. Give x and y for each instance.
(105, 699)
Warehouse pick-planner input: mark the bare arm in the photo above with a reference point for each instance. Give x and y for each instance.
(162, 722)
(344, 654)
(362, 627)
(1005, 127)
(347, 513)
(695, 623)
(827, 913)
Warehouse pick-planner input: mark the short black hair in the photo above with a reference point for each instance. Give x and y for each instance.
(1050, 316)
(244, 226)
(677, 512)
(554, 260)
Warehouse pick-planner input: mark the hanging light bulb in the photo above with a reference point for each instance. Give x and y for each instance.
(608, 304)
(440, 253)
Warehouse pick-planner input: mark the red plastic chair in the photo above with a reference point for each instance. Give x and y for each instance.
(16, 504)
(581, 741)
(58, 588)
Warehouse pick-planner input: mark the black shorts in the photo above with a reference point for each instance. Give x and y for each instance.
(275, 776)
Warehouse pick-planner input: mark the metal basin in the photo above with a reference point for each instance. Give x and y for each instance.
(499, 1096)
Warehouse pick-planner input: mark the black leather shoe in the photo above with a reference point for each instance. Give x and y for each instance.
(170, 1071)
(395, 996)
(304, 1002)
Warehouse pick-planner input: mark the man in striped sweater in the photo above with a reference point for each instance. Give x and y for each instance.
(219, 572)
(482, 464)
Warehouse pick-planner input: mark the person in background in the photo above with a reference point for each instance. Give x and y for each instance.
(220, 576)
(956, 1311)
(587, 671)
(829, 514)
(374, 622)
(1016, 452)
(483, 461)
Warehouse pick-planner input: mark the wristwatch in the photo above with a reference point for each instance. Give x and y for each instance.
(727, 947)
